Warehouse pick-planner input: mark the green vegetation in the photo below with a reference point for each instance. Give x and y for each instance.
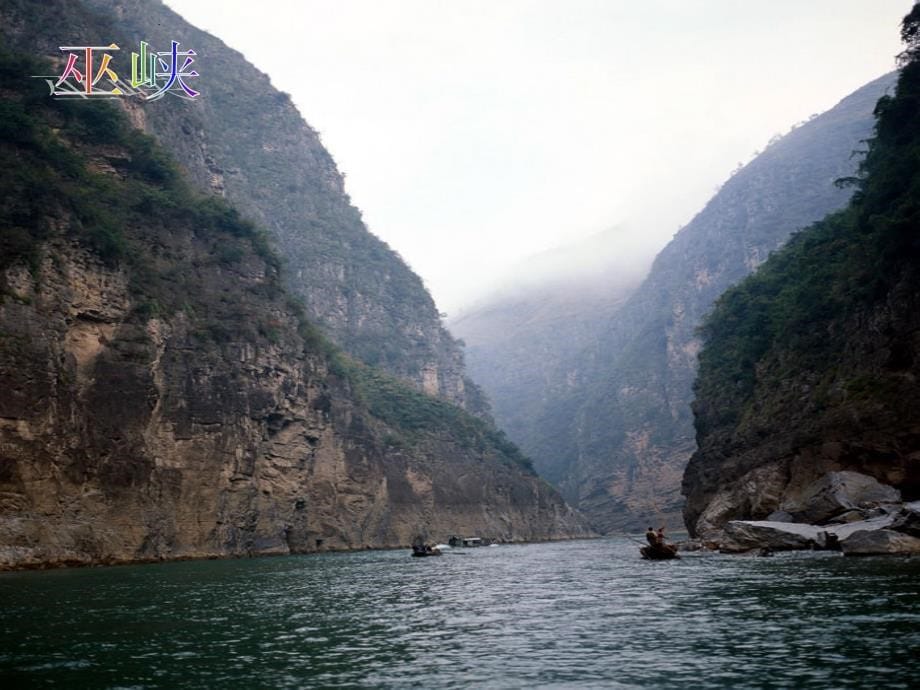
(45, 146)
(81, 165)
(597, 391)
(791, 313)
(416, 415)
(357, 289)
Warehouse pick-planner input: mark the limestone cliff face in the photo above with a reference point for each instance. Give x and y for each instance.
(125, 440)
(245, 141)
(162, 397)
(811, 364)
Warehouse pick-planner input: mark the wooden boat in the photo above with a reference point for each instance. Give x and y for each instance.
(423, 551)
(661, 552)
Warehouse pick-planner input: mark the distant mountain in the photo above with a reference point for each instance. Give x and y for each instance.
(603, 406)
(542, 319)
(614, 260)
(811, 365)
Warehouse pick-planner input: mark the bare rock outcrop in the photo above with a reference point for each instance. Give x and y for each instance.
(908, 519)
(895, 530)
(740, 536)
(837, 493)
(123, 441)
(880, 542)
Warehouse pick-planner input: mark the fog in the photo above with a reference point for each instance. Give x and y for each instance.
(477, 134)
(606, 265)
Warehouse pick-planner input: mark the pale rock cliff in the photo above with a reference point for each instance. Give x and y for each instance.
(124, 441)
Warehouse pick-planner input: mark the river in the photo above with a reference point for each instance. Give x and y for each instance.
(584, 614)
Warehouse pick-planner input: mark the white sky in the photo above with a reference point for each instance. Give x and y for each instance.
(475, 133)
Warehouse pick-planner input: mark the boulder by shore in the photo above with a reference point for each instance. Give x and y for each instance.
(881, 541)
(841, 511)
(740, 536)
(896, 533)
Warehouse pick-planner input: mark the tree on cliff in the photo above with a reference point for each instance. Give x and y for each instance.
(910, 35)
(820, 344)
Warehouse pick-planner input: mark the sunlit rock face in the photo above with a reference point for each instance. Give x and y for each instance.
(162, 396)
(125, 439)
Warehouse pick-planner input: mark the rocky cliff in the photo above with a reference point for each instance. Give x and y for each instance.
(811, 364)
(612, 424)
(245, 140)
(162, 397)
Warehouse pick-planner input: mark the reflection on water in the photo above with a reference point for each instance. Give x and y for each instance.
(578, 614)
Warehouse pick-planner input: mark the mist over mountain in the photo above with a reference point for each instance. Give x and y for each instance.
(598, 392)
(547, 312)
(610, 261)
(209, 355)
(587, 353)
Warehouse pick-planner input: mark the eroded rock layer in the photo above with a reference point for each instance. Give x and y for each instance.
(161, 397)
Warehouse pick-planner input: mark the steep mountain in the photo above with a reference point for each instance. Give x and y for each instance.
(244, 140)
(540, 322)
(613, 426)
(811, 365)
(161, 396)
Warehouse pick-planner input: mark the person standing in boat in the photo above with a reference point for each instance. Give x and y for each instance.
(660, 536)
(651, 537)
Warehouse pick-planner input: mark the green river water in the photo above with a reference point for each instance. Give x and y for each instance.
(584, 614)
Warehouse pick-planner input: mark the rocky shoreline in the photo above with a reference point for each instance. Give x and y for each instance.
(9, 566)
(842, 511)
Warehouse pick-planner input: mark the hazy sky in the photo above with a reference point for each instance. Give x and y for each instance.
(475, 133)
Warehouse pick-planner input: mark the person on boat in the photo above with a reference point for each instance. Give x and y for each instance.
(658, 548)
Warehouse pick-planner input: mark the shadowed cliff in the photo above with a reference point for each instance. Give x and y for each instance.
(810, 365)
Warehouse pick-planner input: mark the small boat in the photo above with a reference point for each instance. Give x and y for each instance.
(421, 551)
(660, 552)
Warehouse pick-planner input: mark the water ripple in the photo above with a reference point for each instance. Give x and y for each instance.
(573, 615)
